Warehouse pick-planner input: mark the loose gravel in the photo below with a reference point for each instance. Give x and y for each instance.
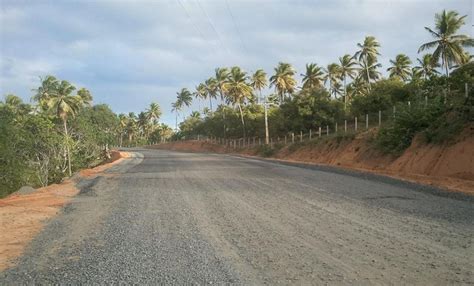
(177, 218)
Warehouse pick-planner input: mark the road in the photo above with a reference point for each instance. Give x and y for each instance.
(164, 217)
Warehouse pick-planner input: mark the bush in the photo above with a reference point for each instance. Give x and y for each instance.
(398, 135)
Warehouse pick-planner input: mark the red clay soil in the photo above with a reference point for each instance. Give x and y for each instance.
(449, 166)
(22, 216)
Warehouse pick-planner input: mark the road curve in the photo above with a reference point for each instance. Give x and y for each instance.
(164, 217)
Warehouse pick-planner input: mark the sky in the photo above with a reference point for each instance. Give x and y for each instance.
(130, 53)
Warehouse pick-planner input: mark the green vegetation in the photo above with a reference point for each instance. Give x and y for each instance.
(411, 100)
(63, 132)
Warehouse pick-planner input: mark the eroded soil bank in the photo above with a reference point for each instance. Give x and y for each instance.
(449, 166)
(22, 216)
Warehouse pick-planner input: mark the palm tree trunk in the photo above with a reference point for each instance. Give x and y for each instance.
(210, 102)
(67, 147)
(367, 69)
(345, 93)
(121, 139)
(267, 140)
(242, 118)
(176, 121)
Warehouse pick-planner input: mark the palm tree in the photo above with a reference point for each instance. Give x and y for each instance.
(185, 96)
(222, 75)
(143, 124)
(400, 68)
(123, 121)
(367, 54)
(200, 93)
(313, 77)
(85, 96)
(427, 67)
(449, 46)
(333, 76)
(238, 90)
(211, 90)
(283, 80)
(176, 107)
(369, 72)
(49, 84)
(131, 126)
(259, 81)
(63, 104)
(347, 69)
(153, 112)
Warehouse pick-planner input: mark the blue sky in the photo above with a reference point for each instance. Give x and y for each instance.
(130, 53)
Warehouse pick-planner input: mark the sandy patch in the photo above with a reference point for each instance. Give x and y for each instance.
(23, 216)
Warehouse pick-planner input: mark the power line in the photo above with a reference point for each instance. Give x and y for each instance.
(213, 27)
(236, 27)
(196, 27)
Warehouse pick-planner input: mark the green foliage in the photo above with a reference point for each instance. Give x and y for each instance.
(409, 120)
(266, 151)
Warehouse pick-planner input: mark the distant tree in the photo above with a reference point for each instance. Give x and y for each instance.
(347, 69)
(400, 68)
(313, 77)
(449, 46)
(367, 55)
(259, 81)
(283, 80)
(427, 67)
(238, 90)
(63, 104)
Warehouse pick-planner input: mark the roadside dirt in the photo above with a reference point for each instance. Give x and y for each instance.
(22, 216)
(448, 166)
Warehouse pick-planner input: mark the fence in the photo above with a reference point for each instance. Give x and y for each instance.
(351, 125)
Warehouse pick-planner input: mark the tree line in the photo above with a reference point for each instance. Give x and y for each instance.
(349, 87)
(62, 131)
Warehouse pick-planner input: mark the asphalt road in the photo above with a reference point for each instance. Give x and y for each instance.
(178, 218)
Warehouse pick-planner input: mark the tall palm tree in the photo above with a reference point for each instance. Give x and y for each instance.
(449, 46)
(283, 80)
(313, 77)
(400, 68)
(85, 96)
(238, 90)
(185, 97)
(132, 126)
(176, 107)
(368, 72)
(200, 93)
(49, 84)
(367, 55)
(347, 69)
(333, 76)
(426, 66)
(222, 75)
(153, 112)
(259, 82)
(211, 89)
(123, 121)
(63, 104)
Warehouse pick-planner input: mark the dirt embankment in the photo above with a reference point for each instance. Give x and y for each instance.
(449, 166)
(22, 216)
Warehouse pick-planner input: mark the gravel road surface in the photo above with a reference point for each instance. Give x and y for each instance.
(165, 217)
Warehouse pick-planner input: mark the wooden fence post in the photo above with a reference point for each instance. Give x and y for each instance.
(319, 132)
(367, 121)
(355, 121)
(301, 136)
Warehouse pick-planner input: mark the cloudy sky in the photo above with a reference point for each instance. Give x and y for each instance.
(130, 53)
